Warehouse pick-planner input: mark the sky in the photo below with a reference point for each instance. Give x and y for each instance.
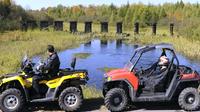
(38, 4)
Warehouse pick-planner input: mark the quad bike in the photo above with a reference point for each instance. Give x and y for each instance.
(134, 83)
(16, 89)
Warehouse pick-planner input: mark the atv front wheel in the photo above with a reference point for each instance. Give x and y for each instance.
(11, 100)
(116, 99)
(70, 99)
(189, 99)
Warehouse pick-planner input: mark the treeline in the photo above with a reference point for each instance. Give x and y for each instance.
(11, 15)
(129, 13)
(180, 13)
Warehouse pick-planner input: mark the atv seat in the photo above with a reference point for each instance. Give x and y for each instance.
(62, 72)
(65, 72)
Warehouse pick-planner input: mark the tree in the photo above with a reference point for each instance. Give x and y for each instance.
(112, 18)
(7, 2)
(112, 7)
(146, 16)
(181, 4)
(5, 8)
(122, 12)
(128, 18)
(162, 13)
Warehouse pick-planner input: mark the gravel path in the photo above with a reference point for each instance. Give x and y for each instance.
(96, 105)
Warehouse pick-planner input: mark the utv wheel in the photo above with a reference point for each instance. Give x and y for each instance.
(70, 99)
(189, 99)
(116, 99)
(11, 100)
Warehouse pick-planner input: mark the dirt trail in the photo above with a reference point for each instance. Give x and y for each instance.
(96, 105)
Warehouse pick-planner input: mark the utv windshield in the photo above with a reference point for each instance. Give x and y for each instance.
(130, 64)
(142, 56)
(145, 56)
(148, 59)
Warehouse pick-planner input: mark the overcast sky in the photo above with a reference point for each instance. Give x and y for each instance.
(38, 4)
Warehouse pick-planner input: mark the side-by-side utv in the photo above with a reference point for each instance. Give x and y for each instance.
(16, 89)
(141, 81)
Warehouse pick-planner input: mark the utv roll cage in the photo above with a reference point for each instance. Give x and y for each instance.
(163, 46)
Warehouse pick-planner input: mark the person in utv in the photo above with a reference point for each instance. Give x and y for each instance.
(158, 67)
(51, 67)
(158, 74)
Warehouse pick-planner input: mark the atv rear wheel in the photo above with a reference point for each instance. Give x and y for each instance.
(116, 99)
(189, 99)
(11, 100)
(70, 99)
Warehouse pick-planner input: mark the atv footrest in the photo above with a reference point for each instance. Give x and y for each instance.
(43, 100)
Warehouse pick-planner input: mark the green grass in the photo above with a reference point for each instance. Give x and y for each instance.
(186, 47)
(90, 92)
(13, 45)
(82, 55)
(107, 69)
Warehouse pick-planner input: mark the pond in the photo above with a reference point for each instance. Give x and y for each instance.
(107, 54)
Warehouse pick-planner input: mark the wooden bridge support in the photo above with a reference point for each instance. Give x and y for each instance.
(73, 26)
(119, 27)
(58, 25)
(136, 27)
(104, 26)
(88, 27)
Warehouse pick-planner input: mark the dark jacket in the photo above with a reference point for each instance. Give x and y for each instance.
(52, 65)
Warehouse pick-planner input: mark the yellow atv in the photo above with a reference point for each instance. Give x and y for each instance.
(16, 89)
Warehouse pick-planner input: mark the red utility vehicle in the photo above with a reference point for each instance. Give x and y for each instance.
(142, 80)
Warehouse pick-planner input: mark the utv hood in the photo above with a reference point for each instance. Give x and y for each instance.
(122, 75)
(117, 72)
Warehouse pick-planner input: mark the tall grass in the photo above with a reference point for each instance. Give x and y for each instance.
(90, 92)
(13, 45)
(189, 48)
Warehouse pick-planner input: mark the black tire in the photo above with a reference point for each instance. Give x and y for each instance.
(70, 99)
(189, 99)
(116, 100)
(12, 100)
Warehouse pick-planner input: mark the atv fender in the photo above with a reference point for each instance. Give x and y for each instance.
(15, 83)
(125, 84)
(54, 92)
(16, 78)
(59, 81)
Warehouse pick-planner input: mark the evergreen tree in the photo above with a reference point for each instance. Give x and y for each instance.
(162, 13)
(112, 18)
(181, 4)
(146, 16)
(128, 18)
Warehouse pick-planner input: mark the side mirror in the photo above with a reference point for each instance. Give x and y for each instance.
(73, 64)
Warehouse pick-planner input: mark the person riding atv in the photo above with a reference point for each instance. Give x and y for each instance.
(51, 67)
(65, 86)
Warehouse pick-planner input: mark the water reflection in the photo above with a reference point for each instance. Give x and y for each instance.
(104, 43)
(136, 46)
(88, 44)
(118, 43)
